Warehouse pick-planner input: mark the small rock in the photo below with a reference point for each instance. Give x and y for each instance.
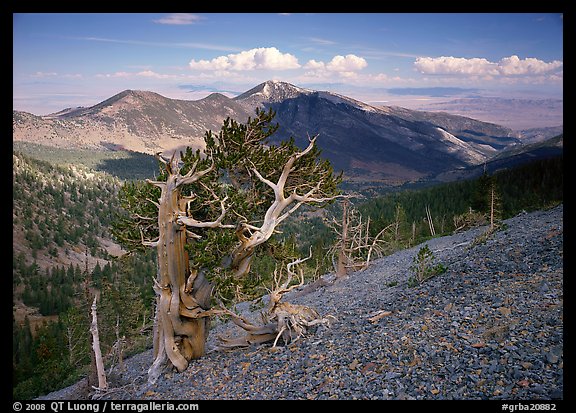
(505, 310)
(526, 364)
(523, 383)
(552, 358)
(354, 364)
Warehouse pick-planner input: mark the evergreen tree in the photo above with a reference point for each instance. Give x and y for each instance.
(216, 198)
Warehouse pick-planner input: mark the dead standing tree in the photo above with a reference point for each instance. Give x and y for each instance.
(430, 221)
(354, 246)
(102, 383)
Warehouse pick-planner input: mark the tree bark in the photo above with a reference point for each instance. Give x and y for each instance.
(180, 328)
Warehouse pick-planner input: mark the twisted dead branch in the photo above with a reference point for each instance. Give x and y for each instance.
(281, 320)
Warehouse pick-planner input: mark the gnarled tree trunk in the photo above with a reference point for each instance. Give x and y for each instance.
(183, 295)
(296, 177)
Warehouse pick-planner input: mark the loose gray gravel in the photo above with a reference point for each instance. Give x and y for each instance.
(490, 327)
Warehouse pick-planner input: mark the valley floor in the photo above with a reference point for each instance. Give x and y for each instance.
(490, 327)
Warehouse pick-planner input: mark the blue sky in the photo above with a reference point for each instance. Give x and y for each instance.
(66, 60)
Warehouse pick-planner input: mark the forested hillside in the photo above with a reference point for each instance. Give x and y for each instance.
(453, 206)
(62, 253)
(60, 208)
(529, 187)
(125, 165)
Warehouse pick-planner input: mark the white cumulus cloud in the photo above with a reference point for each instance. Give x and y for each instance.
(513, 65)
(259, 58)
(507, 66)
(340, 67)
(313, 64)
(448, 65)
(348, 63)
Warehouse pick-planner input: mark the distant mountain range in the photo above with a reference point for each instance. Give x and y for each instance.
(134, 120)
(516, 113)
(387, 144)
(511, 157)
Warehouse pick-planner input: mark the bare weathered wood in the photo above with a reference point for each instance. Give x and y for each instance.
(430, 221)
(102, 383)
(180, 327)
(280, 209)
(281, 319)
(183, 294)
(342, 269)
(379, 314)
(354, 246)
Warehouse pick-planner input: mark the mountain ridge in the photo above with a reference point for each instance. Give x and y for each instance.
(386, 144)
(393, 143)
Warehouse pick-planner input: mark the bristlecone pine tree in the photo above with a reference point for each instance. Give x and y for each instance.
(206, 213)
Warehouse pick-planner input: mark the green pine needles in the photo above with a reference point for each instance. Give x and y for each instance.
(424, 267)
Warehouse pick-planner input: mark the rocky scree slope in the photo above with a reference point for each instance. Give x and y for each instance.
(490, 327)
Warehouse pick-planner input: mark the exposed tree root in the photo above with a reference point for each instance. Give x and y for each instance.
(289, 322)
(281, 320)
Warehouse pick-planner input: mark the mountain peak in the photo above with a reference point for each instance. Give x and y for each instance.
(215, 97)
(369, 143)
(137, 94)
(272, 91)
